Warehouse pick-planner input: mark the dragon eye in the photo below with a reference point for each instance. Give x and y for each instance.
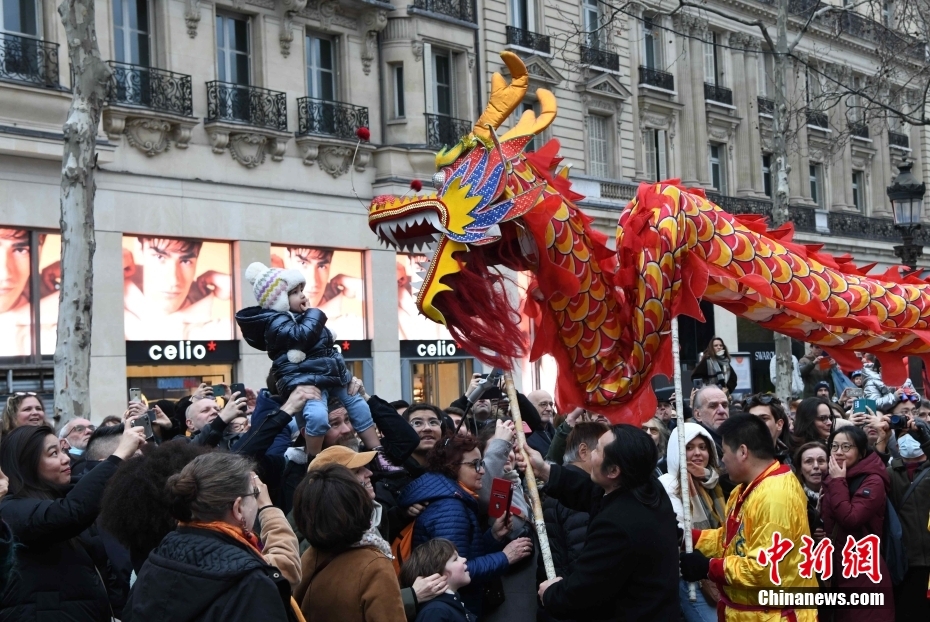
(439, 178)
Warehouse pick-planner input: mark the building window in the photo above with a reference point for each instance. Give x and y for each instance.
(522, 14)
(652, 43)
(713, 70)
(816, 178)
(397, 71)
(656, 159)
(442, 83)
(232, 49)
(767, 174)
(767, 73)
(858, 187)
(598, 146)
(321, 68)
(20, 17)
(131, 31)
(888, 13)
(718, 167)
(591, 17)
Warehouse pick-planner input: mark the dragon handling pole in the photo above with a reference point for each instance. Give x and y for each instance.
(683, 464)
(530, 478)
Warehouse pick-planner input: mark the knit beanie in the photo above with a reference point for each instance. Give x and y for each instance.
(271, 285)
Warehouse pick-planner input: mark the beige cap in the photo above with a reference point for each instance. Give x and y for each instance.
(337, 454)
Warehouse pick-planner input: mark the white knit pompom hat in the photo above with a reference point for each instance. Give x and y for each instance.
(271, 285)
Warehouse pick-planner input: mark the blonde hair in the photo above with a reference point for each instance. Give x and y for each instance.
(12, 408)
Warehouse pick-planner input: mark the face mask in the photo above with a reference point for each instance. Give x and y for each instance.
(75, 451)
(909, 447)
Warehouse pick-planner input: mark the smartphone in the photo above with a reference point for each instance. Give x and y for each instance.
(135, 395)
(501, 497)
(219, 390)
(855, 393)
(237, 387)
(151, 415)
(698, 383)
(143, 422)
(860, 405)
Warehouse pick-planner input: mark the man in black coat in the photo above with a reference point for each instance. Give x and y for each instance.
(628, 568)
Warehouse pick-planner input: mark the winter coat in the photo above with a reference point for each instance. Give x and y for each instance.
(797, 383)
(812, 374)
(670, 480)
(445, 608)
(628, 568)
(200, 575)
(702, 371)
(60, 558)
(776, 502)
(913, 512)
(356, 585)
(859, 516)
(567, 530)
(300, 346)
(452, 514)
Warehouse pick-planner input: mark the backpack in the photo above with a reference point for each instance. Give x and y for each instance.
(892, 536)
(402, 546)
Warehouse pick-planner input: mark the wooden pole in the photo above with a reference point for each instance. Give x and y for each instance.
(682, 463)
(530, 478)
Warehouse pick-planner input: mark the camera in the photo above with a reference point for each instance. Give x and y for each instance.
(898, 422)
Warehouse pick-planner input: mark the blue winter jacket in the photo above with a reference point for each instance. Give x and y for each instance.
(452, 514)
(279, 333)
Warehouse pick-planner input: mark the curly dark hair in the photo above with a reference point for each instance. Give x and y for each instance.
(445, 457)
(134, 508)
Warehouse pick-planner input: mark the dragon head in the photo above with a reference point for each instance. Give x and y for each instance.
(483, 185)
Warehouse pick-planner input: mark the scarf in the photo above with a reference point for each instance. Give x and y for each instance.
(468, 490)
(813, 496)
(372, 537)
(708, 507)
(247, 539)
(719, 368)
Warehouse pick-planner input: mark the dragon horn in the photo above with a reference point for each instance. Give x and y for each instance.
(504, 97)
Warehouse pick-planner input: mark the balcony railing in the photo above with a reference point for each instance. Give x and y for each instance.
(444, 131)
(596, 57)
(23, 59)
(656, 78)
(817, 119)
(863, 227)
(859, 129)
(251, 105)
(803, 218)
(766, 106)
(717, 93)
(318, 116)
(899, 140)
(156, 89)
(527, 39)
(459, 9)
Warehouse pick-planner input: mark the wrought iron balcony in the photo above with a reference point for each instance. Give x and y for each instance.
(527, 39)
(859, 129)
(766, 106)
(23, 59)
(329, 118)
(803, 218)
(596, 57)
(147, 87)
(444, 131)
(896, 139)
(717, 93)
(817, 119)
(656, 78)
(250, 105)
(459, 9)
(851, 225)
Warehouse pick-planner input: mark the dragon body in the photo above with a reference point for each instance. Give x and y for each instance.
(605, 314)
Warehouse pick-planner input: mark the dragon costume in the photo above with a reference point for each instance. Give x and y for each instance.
(604, 314)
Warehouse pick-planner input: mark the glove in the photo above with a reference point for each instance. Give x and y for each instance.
(694, 566)
(922, 433)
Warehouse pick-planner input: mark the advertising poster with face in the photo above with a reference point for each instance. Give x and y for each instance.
(413, 325)
(16, 283)
(335, 285)
(176, 289)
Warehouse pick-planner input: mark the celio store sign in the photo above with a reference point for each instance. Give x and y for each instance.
(181, 352)
(440, 348)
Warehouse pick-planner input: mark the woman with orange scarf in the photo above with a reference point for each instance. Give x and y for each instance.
(212, 568)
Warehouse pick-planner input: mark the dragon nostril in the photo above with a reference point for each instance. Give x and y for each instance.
(439, 178)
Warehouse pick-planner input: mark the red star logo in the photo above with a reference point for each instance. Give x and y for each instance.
(345, 345)
(211, 346)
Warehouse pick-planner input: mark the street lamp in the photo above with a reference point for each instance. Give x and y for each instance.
(907, 203)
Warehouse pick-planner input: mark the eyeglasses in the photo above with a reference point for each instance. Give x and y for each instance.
(24, 394)
(254, 493)
(906, 411)
(82, 428)
(763, 399)
(477, 465)
(825, 418)
(844, 447)
(416, 424)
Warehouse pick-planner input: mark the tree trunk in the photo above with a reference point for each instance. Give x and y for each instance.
(780, 214)
(90, 77)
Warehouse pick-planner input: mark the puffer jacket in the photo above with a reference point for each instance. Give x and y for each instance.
(567, 530)
(205, 576)
(914, 511)
(452, 514)
(876, 389)
(60, 558)
(300, 346)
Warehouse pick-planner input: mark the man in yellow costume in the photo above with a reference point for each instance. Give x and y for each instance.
(766, 511)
